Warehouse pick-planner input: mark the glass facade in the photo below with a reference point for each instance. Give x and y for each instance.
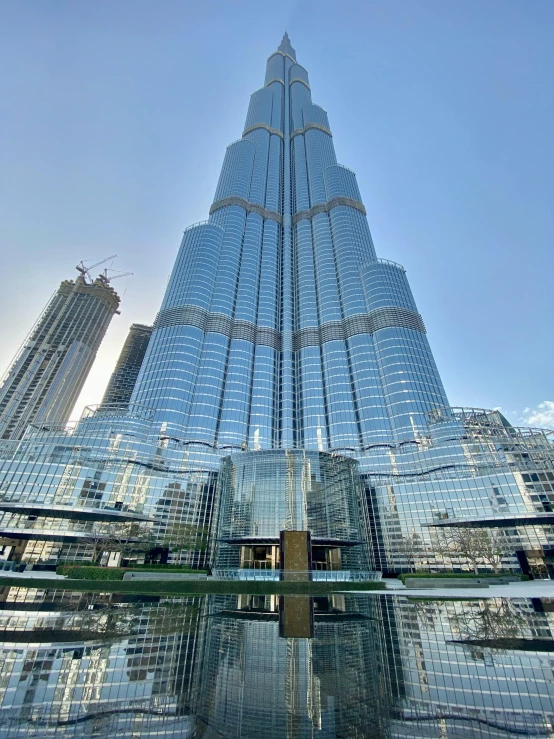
(471, 469)
(283, 343)
(123, 379)
(62, 487)
(264, 493)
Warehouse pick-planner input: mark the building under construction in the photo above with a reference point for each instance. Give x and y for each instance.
(49, 371)
(122, 382)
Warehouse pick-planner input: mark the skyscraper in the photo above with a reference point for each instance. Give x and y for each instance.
(280, 328)
(288, 386)
(50, 370)
(123, 379)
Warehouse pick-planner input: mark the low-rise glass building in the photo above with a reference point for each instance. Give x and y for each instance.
(262, 494)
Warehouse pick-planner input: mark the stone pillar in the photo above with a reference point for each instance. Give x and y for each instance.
(296, 617)
(296, 555)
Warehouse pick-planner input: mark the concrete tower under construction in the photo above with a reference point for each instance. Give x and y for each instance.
(49, 371)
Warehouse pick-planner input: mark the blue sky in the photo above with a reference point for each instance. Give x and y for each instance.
(115, 115)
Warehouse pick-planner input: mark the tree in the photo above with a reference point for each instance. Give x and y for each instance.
(126, 538)
(136, 538)
(478, 546)
(111, 621)
(410, 547)
(172, 618)
(181, 536)
(493, 618)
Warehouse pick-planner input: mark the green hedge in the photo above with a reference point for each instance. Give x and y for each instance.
(94, 572)
(170, 568)
(404, 575)
(91, 573)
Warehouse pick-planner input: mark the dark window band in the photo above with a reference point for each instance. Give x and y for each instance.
(274, 131)
(277, 132)
(282, 53)
(272, 215)
(303, 82)
(308, 126)
(362, 323)
(188, 315)
(304, 215)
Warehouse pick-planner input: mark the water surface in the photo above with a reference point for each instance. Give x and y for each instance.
(341, 667)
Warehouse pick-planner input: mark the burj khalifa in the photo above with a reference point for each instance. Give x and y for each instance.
(280, 328)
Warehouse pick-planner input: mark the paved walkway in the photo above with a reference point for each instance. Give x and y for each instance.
(530, 589)
(43, 575)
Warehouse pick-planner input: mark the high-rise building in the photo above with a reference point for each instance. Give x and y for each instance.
(123, 379)
(289, 367)
(52, 366)
(280, 328)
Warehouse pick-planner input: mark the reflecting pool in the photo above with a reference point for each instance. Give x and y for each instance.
(339, 666)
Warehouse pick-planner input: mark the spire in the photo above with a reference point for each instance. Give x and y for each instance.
(286, 47)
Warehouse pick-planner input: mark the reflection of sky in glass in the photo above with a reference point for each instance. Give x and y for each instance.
(76, 664)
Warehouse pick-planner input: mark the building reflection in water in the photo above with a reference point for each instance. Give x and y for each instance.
(260, 676)
(77, 664)
(478, 668)
(340, 667)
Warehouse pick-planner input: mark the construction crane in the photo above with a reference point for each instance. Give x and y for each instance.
(85, 271)
(105, 278)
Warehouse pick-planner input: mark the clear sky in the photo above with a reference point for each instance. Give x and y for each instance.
(115, 115)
